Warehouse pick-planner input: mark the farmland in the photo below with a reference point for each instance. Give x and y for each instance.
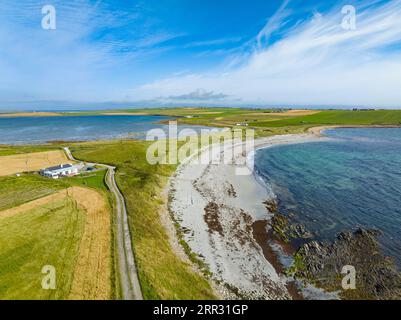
(16, 191)
(53, 238)
(266, 121)
(276, 121)
(26, 162)
(69, 228)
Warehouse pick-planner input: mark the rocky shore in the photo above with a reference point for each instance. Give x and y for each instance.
(376, 275)
(321, 262)
(233, 230)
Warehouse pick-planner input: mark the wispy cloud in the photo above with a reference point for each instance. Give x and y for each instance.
(213, 42)
(273, 24)
(101, 50)
(315, 61)
(92, 42)
(198, 95)
(157, 39)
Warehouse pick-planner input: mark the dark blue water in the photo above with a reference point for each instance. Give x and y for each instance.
(352, 180)
(26, 130)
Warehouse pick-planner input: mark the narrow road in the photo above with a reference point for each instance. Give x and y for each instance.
(129, 281)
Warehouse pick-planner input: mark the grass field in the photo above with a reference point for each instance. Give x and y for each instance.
(39, 222)
(74, 223)
(93, 180)
(339, 117)
(52, 238)
(162, 274)
(15, 191)
(12, 150)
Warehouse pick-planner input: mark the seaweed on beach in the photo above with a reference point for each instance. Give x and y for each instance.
(212, 218)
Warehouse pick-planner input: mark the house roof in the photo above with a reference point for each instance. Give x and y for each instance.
(59, 167)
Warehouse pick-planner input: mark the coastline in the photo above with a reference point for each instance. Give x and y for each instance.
(43, 114)
(242, 198)
(319, 130)
(227, 222)
(225, 218)
(30, 114)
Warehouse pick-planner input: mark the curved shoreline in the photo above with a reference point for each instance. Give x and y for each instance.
(319, 130)
(204, 190)
(367, 238)
(221, 212)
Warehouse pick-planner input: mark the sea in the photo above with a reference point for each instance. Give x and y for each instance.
(351, 180)
(34, 130)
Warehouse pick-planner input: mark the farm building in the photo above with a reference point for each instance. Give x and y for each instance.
(60, 171)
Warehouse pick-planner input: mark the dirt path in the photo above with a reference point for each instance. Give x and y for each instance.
(130, 285)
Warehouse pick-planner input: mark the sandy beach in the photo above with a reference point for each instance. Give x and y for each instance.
(225, 220)
(319, 131)
(29, 114)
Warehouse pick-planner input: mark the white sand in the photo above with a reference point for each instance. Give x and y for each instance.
(228, 246)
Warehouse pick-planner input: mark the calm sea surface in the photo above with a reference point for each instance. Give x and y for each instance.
(27, 130)
(352, 180)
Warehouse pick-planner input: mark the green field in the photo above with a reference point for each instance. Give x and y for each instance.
(15, 191)
(48, 235)
(162, 274)
(10, 150)
(338, 117)
(45, 234)
(94, 180)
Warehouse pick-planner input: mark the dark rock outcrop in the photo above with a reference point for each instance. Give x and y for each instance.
(286, 231)
(376, 275)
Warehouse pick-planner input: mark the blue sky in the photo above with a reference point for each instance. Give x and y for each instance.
(193, 52)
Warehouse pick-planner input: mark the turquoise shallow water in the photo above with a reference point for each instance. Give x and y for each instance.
(28, 130)
(351, 180)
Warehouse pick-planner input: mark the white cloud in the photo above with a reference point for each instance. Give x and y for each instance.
(85, 59)
(214, 42)
(315, 62)
(273, 24)
(197, 96)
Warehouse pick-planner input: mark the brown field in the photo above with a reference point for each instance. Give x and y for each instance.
(289, 113)
(29, 114)
(92, 275)
(300, 112)
(92, 272)
(209, 112)
(31, 161)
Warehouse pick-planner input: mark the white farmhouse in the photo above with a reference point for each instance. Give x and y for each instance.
(60, 171)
